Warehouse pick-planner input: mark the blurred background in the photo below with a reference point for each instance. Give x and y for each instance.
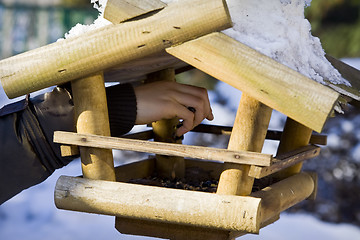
(28, 24)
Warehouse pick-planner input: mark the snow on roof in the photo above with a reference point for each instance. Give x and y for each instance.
(276, 28)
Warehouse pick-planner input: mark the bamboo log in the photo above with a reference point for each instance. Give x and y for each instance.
(284, 194)
(112, 45)
(191, 208)
(171, 149)
(164, 131)
(117, 11)
(285, 160)
(92, 117)
(249, 131)
(259, 76)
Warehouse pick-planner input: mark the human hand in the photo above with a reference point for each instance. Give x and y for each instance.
(167, 100)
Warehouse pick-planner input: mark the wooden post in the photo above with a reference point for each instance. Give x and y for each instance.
(249, 132)
(92, 117)
(164, 131)
(295, 135)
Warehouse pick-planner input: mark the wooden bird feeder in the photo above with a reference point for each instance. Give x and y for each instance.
(149, 41)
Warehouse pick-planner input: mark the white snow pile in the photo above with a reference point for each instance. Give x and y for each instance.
(79, 29)
(276, 28)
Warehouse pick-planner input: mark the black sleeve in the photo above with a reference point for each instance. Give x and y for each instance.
(122, 108)
(28, 154)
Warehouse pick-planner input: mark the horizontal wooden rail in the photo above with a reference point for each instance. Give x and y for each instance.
(198, 209)
(285, 160)
(318, 139)
(214, 154)
(179, 207)
(284, 194)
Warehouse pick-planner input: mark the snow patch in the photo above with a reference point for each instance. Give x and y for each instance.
(278, 29)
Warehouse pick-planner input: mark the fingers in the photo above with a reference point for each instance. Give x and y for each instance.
(200, 93)
(199, 103)
(166, 100)
(187, 117)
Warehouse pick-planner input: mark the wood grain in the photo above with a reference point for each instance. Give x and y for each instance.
(111, 46)
(259, 76)
(285, 160)
(117, 11)
(171, 149)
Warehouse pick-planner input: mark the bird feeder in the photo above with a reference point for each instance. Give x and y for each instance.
(151, 40)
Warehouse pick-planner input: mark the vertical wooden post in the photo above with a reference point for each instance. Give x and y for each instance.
(164, 131)
(92, 117)
(295, 135)
(249, 132)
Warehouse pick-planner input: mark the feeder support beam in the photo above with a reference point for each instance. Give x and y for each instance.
(91, 115)
(295, 135)
(249, 132)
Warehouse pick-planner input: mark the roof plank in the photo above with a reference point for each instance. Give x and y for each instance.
(261, 77)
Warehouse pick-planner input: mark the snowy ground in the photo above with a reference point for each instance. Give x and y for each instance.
(31, 215)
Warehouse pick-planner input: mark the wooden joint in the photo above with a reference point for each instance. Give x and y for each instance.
(284, 161)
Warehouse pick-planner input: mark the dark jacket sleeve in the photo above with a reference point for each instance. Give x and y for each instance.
(28, 154)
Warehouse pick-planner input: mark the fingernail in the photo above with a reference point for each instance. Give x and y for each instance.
(191, 109)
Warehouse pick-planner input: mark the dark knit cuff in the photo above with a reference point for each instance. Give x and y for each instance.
(122, 108)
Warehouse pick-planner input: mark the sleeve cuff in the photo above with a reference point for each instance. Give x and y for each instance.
(122, 108)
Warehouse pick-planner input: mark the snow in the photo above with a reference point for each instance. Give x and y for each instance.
(79, 29)
(282, 33)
